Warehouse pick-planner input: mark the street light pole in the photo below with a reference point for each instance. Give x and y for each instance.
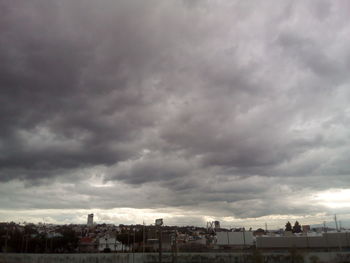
(7, 236)
(133, 247)
(160, 244)
(159, 223)
(143, 238)
(128, 240)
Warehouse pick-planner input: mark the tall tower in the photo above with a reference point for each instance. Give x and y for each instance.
(217, 225)
(90, 220)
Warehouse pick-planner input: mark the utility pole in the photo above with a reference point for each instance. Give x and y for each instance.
(338, 234)
(174, 246)
(244, 246)
(160, 244)
(51, 240)
(115, 242)
(159, 223)
(244, 237)
(133, 245)
(143, 238)
(22, 245)
(45, 238)
(128, 240)
(176, 249)
(26, 249)
(325, 234)
(336, 222)
(7, 236)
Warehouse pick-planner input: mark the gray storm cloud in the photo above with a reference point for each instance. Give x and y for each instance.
(219, 105)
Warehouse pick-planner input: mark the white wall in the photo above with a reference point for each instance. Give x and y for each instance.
(111, 243)
(235, 238)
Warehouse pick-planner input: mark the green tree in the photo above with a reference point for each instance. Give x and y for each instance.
(288, 226)
(297, 227)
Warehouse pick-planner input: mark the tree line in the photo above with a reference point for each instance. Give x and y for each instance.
(295, 229)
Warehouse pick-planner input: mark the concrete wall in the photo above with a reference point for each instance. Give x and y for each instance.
(167, 258)
(328, 240)
(235, 238)
(337, 239)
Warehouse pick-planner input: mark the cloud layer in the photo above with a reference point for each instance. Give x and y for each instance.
(227, 108)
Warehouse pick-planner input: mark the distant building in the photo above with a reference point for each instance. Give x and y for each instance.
(87, 245)
(194, 244)
(306, 228)
(152, 244)
(259, 232)
(90, 220)
(109, 244)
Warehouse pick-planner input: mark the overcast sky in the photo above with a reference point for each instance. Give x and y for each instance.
(190, 110)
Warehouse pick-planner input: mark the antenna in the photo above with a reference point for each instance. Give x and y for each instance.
(336, 222)
(211, 227)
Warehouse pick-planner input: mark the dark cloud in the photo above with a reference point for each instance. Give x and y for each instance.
(66, 83)
(183, 104)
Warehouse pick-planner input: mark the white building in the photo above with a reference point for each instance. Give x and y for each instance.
(90, 220)
(109, 243)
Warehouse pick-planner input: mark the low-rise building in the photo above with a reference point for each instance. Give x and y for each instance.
(109, 244)
(87, 245)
